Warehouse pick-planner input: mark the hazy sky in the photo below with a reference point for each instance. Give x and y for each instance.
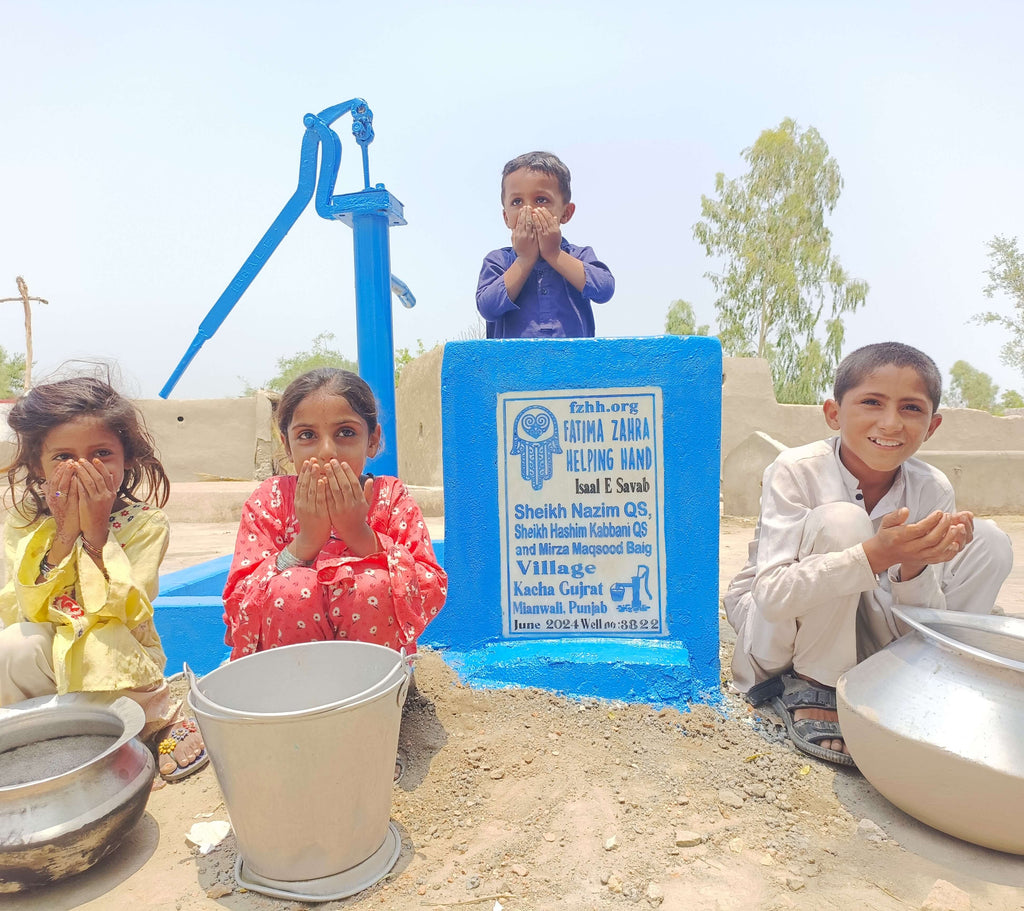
(146, 147)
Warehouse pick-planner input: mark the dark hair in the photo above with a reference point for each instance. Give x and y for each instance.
(546, 163)
(860, 364)
(334, 381)
(46, 407)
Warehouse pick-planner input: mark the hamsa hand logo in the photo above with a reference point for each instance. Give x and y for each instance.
(535, 441)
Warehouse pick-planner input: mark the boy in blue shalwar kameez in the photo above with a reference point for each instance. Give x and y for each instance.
(542, 286)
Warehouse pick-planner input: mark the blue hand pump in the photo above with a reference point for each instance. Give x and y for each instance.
(370, 213)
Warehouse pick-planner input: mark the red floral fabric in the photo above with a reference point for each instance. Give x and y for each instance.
(387, 597)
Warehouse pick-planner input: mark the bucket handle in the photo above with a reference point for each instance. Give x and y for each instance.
(198, 695)
(406, 663)
(222, 712)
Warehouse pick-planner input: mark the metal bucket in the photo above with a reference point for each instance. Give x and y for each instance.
(74, 780)
(303, 741)
(935, 721)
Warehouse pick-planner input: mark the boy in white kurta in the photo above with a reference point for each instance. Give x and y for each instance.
(848, 527)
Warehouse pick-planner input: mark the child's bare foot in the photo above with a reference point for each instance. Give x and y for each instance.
(181, 751)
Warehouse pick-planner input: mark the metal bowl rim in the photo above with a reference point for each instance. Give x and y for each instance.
(129, 712)
(918, 618)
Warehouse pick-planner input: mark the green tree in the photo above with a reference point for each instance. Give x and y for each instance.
(403, 356)
(971, 388)
(779, 277)
(1011, 399)
(288, 368)
(1006, 276)
(12, 374)
(681, 320)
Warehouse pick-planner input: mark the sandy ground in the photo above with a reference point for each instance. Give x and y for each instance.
(526, 800)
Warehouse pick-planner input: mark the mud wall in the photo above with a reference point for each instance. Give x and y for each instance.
(208, 439)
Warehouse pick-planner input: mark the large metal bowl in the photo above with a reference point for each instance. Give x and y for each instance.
(97, 781)
(935, 721)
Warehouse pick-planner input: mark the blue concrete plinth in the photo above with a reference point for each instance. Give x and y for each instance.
(206, 578)
(191, 630)
(628, 670)
(512, 568)
(189, 615)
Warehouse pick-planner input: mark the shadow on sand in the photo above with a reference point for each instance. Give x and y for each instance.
(122, 863)
(863, 801)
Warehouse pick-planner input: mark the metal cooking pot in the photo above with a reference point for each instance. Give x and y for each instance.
(935, 721)
(96, 784)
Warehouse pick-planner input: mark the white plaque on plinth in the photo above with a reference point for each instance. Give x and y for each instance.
(581, 503)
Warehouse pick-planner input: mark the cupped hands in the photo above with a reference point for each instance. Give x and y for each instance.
(80, 495)
(548, 231)
(329, 499)
(937, 538)
(524, 236)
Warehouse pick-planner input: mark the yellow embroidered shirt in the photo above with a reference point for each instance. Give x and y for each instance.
(105, 638)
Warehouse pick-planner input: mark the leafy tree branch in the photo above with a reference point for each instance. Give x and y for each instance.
(288, 368)
(12, 374)
(782, 294)
(1006, 277)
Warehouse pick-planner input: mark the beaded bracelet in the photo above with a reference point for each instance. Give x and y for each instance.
(287, 560)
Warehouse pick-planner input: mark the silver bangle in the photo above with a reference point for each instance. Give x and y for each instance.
(287, 560)
(45, 566)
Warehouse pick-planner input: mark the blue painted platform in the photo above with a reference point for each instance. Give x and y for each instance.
(653, 671)
(190, 621)
(190, 614)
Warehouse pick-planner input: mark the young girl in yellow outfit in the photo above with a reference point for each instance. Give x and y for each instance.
(83, 547)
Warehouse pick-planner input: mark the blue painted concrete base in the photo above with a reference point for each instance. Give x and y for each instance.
(630, 670)
(679, 665)
(192, 629)
(189, 616)
(201, 580)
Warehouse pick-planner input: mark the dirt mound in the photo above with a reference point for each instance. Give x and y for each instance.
(532, 801)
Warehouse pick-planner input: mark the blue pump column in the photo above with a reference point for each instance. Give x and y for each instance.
(372, 250)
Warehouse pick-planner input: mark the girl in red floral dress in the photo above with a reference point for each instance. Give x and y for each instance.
(330, 553)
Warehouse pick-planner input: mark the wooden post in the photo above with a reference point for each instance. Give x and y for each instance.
(25, 300)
